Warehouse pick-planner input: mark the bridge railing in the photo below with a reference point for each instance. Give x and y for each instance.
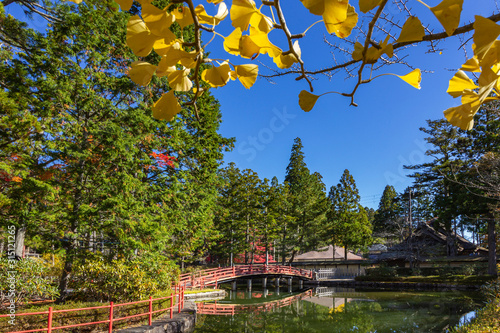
(211, 277)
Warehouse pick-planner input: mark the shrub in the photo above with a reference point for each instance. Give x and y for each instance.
(25, 280)
(121, 279)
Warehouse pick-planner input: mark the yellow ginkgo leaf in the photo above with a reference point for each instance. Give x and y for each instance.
(261, 22)
(345, 28)
(125, 4)
(357, 54)
(204, 18)
(307, 100)
(413, 78)
(175, 55)
(217, 76)
(163, 45)
(366, 5)
(183, 18)
(215, 2)
(412, 30)
(316, 7)
(459, 83)
(163, 69)
(286, 61)
(374, 53)
(448, 13)
(485, 34)
(247, 74)
(166, 107)
(139, 38)
(487, 82)
(179, 81)
(232, 42)
(471, 65)
(461, 116)
(141, 72)
(492, 57)
(75, 1)
(257, 42)
(241, 13)
(335, 14)
(158, 21)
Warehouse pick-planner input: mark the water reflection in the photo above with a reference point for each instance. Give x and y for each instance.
(334, 310)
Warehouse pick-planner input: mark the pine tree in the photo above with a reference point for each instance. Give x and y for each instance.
(348, 223)
(387, 213)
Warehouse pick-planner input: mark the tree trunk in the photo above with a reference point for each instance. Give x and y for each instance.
(492, 246)
(67, 270)
(19, 245)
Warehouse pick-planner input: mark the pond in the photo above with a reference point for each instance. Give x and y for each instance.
(336, 310)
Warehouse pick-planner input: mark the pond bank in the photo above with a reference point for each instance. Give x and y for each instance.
(182, 322)
(389, 285)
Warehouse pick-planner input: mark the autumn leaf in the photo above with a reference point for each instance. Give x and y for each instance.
(178, 80)
(366, 5)
(232, 42)
(471, 65)
(158, 21)
(204, 18)
(183, 18)
(485, 34)
(125, 4)
(345, 28)
(244, 13)
(286, 61)
(217, 76)
(448, 13)
(461, 116)
(166, 107)
(459, 83)
(247, 74)
(142, 72)
(307, 100)
(412, 31)
(413, 78)
(139, 37)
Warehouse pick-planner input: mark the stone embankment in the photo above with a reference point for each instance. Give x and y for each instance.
(182, 322)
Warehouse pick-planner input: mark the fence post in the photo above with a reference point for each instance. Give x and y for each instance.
(150, 310)
(183, 298)
(172, 305)
(110, 317)
(49, 321)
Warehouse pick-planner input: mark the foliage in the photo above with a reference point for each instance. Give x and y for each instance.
(182, 59)
(25, 280)
(122, 280)
(348, 223)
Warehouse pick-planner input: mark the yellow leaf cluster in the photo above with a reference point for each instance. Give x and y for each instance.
(486, 61)
(338, 16)
(373, 53)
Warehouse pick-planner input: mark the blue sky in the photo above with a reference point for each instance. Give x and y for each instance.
(373, 140)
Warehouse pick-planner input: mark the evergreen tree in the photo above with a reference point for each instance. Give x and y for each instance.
(307, 206)
(387, 210)
(348, 223)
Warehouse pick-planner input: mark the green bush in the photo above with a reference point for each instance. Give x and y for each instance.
(121, 279)
(382, 271)
(25, 280)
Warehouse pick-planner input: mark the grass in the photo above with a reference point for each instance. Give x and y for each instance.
(453, 279)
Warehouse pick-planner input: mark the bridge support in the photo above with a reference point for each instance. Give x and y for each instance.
(234, 285)
(277, 282)
(249, 284)
(290, 281)
(264, 282)
(301, 284)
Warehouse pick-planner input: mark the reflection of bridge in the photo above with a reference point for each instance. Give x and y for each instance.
(212, 277)
(232, 309)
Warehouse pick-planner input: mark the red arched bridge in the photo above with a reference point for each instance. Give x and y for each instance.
(215, 276)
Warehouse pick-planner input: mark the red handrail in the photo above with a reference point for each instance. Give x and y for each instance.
(178, 293)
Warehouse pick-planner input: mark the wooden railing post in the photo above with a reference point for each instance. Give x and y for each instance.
(183, 297)
(49, 320)
(110, 317)
(180, 301)
(150, 310)
(172, 305)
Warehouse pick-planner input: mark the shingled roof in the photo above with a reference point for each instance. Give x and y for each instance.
(326, 254)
